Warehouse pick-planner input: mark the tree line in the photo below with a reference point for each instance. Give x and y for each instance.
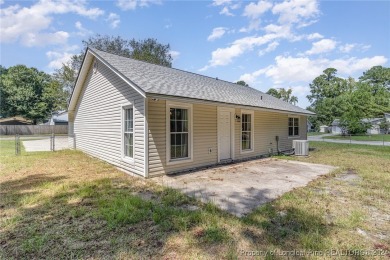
(35, 95)
(350, 100)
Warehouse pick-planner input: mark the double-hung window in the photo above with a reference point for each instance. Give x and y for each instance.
(179, 133)
(128, 132)
(293, 126)
(179, 118)
(247, 131)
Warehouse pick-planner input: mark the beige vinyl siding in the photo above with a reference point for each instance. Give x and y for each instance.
(98, 119)
(266, 126)
(204, 138)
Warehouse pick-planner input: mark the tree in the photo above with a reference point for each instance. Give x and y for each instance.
(327, 85)
(66, 76)
(148, 50)
(285, 95)
(360, 105)
(242, 83)
(326, 96)
(30, 93)
(151, 51)
(385, 125)
(273, 92)
(3, 70)
(377, 76)
(332, 97)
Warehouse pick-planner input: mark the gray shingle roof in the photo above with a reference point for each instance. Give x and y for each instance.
(156, 79)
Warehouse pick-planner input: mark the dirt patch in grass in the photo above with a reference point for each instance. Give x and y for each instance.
(350, 177)
(68, 205)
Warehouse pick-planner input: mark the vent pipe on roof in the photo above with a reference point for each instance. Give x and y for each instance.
(216, 78)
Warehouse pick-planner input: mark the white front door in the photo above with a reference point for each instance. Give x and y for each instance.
(224, 135)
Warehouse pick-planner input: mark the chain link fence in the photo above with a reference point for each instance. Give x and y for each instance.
(39, 143)
(374, 139)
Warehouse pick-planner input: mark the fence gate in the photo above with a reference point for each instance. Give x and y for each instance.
(40, 143)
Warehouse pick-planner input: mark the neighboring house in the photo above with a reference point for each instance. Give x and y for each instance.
(151, 120)
(335, 127)
(324, 129)
(16, 120)
(375, 125)
(309, 127)
(58, 118)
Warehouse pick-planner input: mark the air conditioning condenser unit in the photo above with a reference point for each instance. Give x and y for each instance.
(301, 147)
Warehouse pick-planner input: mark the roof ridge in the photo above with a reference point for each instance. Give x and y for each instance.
(190, 72)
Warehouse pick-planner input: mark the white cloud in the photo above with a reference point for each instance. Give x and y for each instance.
(42, 39)
(348, 47)
(113, 19)
(224, 56)
(253, 25)
(30, 24)
(217, 33)
(235, 6)
(221, 2)
(81, 30)
(296, 11)
(322, 46)
(133, 4)
(254, 11)
(271, 47)
(226, 11)
(300, 91)
(290, 70)
(174, 54)
(57, 58)
(314, 36)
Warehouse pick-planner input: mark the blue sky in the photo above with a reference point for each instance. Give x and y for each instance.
(266, 43)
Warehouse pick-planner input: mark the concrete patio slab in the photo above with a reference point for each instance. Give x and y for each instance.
(239, 188)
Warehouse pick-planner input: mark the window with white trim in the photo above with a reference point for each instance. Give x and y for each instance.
(293, 126)
(246, 131)
(128, 132)
(179, 133)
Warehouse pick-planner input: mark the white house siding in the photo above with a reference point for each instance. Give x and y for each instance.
(267, 126)
(98, 119)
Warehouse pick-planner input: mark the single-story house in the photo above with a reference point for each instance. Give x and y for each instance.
(58, 118)
(375, 125)
(310, 126)
(335, 127)
(152, 120)
(16, 120)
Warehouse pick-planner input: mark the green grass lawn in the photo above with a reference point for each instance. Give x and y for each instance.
(66, 204)
(385, 138)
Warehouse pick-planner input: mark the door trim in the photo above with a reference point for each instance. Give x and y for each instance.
(232, 139)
